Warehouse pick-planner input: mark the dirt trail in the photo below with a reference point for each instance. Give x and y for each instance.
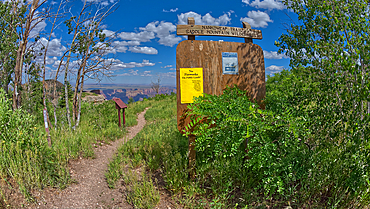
(92, 190)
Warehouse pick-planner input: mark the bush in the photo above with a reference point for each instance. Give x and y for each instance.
(24, 153)
(236, 134)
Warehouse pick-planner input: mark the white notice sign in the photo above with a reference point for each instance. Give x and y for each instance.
(230, 63)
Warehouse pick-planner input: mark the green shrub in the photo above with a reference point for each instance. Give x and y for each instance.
(24, 153)
(278, 167)
(336, 138)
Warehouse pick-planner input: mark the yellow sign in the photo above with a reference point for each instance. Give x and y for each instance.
(191, 84)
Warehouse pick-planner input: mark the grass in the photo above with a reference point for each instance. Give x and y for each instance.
(220, 183)
(159, 110)
(142, 192)
(2, 199)
(26, 157)
(159, 147)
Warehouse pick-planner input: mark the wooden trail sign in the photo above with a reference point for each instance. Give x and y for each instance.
(211, 66)
(120, 105)
(207, 55)
(210, 30)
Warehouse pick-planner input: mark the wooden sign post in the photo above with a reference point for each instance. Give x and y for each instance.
(120, 105)
(210, 66)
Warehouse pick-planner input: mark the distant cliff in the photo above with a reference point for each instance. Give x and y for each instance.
(135, 93)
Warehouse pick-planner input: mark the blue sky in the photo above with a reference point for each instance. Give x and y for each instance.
(145, 40)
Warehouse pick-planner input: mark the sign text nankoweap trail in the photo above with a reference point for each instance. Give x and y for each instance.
(210, 66)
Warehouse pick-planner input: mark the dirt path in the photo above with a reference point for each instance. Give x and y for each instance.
(92, 190)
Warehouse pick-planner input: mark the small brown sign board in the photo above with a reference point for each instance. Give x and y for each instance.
(120, 105)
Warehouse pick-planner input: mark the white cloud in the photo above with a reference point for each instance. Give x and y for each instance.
(274, 55)
(37, 29)
(163, 31)
(143, 36)
(257, 19)
(132, 72)
(109, 33)
(168, 75)
(274, 69)
(101, 2)
(55, 48)
(123, 74)
(143, 50)
(57, 62)
(49, 61)
(266, 4)
(119, 46)
(171, 10)
(145, 63)
(169, 40)
(170, 67)
(116, 46)
(103, 48)
(146, 73)
(119, 65)
(207, 19)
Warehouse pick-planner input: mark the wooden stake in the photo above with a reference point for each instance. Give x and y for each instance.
(191, 22)
(124, 117)
(247, 40)
(119, 117)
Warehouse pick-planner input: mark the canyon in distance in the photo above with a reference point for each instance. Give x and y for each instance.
(127, 91)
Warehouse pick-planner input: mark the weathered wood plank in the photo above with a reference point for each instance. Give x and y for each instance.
(247, 25)
(210, 30)
(191, 21)
(208, 55)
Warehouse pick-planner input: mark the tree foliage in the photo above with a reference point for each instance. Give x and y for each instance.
(331, 40)
(89, 47)
(9, 40)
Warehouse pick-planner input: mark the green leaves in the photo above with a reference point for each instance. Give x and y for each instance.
(232, 126)
(326, 93)
(10, 21)
(18, 127)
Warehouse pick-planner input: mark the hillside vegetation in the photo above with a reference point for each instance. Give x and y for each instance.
(26, 158)
(246, 158)
(308, 149)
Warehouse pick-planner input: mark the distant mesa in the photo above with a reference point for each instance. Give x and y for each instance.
(125, 93)
(53, 89)
(96, 91)
(94, 98)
